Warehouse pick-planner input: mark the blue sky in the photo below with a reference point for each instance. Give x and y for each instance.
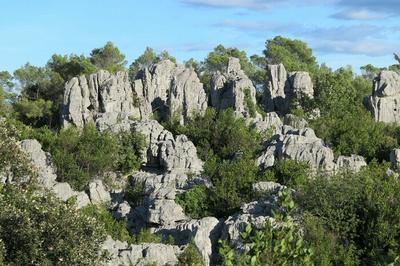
(341, 32)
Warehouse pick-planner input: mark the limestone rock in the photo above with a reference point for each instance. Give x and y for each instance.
(267, 187)
(286, 89)
(121, 253)
(384, 103)
(271, 124)
(294, 121)
(97, 192)
(299, 145)
(352, 163)
(163, 150)
(395, 158)
(87, 99)
(46, 173)
(229, 89)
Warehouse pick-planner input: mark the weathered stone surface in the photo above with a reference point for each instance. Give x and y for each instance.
(121, 253)
(299, 145)
(294, 121)
(97, 192)
(254, 213)
(163, 150)
(285, 89)
(352, 163)
(271, 124)
(267, 187)
(85, 100)
(384, 103)
(107, 99)
(228, 89)
(46, 173)
(395, 158)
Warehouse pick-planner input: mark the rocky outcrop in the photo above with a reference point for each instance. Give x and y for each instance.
(46, 178)
(286, 89)
(384, 103)
(269, 125)
(233, 89)
(304, 146)
(106, 99)
(166, 151)
(121, 253)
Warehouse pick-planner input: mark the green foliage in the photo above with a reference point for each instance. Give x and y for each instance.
(146, 60)
(195, 201)
(250, 105)
(289, 173)
(357, 213)
(114, 228)
(5, 87)
(217, 60)
(108, 57)
(146, 236)
(344, 122)
(81, 155)
(71, 66)
(295, 55)
(191, 256)
(38, 229)
(34, 112)
(13, 161)
(278, 243)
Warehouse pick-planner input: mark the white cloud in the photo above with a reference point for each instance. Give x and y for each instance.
(248, 4)
(361, 14)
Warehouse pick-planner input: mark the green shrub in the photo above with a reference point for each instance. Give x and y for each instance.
(38, 229)
(116, 229)
(275, 244)
(289, 173)
(360, 211)
(195, 201)
(146, 236)
(250, 105)
(191, 256)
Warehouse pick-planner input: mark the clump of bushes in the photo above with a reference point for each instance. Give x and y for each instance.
(38, 229)
(79, 155)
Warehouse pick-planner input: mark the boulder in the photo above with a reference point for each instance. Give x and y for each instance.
(384, 103)
(233, 89)
(121, 253)
(97, 192)
(395, 159)
(352, 163)
(270, 124)
(267, 187)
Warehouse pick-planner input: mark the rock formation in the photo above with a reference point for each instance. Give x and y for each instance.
(284, 89)
(384, 103)
(304, 146)
(105, 98)
(233, 89)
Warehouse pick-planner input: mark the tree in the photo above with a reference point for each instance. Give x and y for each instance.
(38, 229)
(6, 86)
(108, 57)
(146, 60)
(295, 55)
(70, 66)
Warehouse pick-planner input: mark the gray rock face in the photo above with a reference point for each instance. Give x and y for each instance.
(254, 213)
(271, 124)
(106, 98)
(284, 89)
(352, 163)
(46, 173)
(86, 100)
(267, 187)
(229, 89)
(121, 253)
(294, 121)
(97, 192)
(178, 154)
(304, 146)
(395, 158)
(384, 103)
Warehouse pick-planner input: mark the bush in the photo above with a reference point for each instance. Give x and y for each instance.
(38, 229)
(278, 243)
(195, 201)
(289, 173)
(81, 155)
(359, 211)
(190, 256)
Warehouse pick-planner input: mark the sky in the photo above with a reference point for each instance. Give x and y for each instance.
(340, 32)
